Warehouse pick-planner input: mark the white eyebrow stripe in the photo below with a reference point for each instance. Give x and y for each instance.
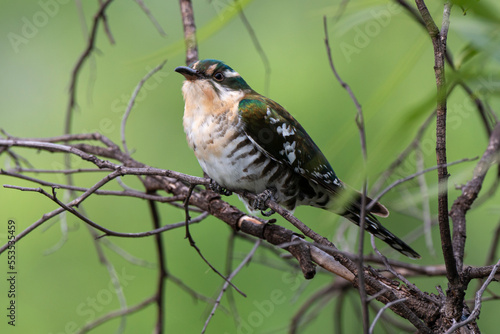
(211, 69)
(230, 74)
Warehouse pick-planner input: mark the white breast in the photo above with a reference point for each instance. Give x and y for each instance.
(213, 130)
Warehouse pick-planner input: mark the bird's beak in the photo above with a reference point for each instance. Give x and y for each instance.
(188, 73)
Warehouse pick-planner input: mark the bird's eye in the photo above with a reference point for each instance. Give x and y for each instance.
(219, 76)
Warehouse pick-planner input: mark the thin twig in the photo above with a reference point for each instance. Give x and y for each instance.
(151, 17)
(361, 127)
(132, 101)
(63, 207)
(126, 255)
(412, 176)
(258, 47)
(229, 261)
(193, 243)
(177, 281)
(69, 138)
(61, 171)
(162, 270)
(403, 155)
(494, 245)
(325, 292)
(379, 314)
(469, 194)
(111, 315)
(81, 60)
(426, 209)
(67, 207)
(390, 320)
(51, 147)
(229, 278)
(126, 193)
(107, 29)
(158, 230)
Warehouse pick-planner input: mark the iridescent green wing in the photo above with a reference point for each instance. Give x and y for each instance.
(283, 139)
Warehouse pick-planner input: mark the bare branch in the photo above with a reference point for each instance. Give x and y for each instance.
(316, 297)
(50, 147)
(193, 243)
(403, 155)
(306, 254)
(412, 176)
(105, 23)
(109, 316)
(189, 31)
(258, 47)
(478, 301)
(126, 193)
(379, 314)
(69, 138)
(485, 115)
(426, 209)
(83, 57)
(494, 245)
(245, 261)
(132, 101)
(439, 43)
(63, 207)
(151, 17)
(162, 270)
(469, 194)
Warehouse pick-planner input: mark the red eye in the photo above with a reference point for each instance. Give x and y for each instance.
(219, 76)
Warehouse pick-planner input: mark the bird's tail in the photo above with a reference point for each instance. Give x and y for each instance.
(373, 226)
(351, 209)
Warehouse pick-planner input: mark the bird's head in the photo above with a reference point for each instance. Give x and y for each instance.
(213, 79)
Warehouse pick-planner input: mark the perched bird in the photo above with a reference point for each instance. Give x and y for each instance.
(247, 142)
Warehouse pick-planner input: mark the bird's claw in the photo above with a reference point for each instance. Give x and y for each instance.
(260, 202)
(215, 187)
(268, 213)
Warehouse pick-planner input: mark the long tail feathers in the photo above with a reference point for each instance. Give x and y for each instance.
(373, 226)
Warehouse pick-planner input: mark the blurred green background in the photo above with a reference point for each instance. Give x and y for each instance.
(383, 54)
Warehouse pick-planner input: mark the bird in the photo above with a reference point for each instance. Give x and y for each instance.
(246, 142)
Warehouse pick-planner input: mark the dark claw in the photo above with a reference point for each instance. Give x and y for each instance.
(214, 186)
(260, 202)
(267, 213)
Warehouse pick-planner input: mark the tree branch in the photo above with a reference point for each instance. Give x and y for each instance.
(469, 194)
(189, 31)
(439, 44)
(477, 301)
(173, 182)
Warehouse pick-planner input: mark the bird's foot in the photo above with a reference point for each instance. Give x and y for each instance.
(215, 187)
(260, 202)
